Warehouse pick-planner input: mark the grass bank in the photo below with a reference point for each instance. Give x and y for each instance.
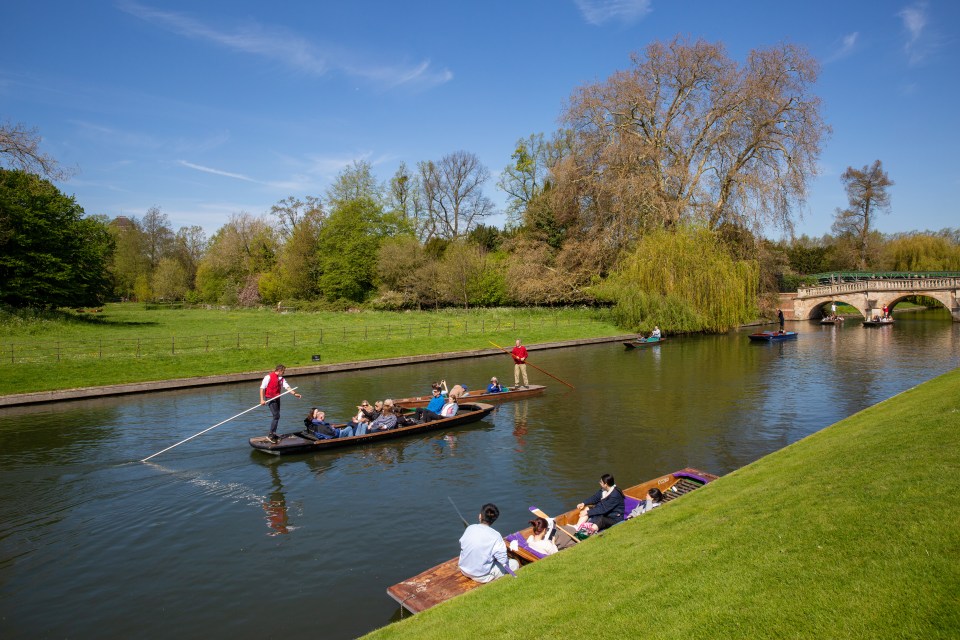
(853, 532)
(129, 343)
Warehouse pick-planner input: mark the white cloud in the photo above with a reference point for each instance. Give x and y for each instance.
(217, 172)
(845, 47)
(599, 12)
(914, 20)
(290, 49)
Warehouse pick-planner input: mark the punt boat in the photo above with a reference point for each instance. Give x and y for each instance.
(773, 336)
(445, 581)
(882, 322)
(306, 442)
(508, 393)
(644, 342)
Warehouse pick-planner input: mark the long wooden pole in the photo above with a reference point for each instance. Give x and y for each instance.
(214, 426)
(534, 366)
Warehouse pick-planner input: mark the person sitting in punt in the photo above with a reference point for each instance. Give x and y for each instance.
(316, 423)
(654, 499)
(483, 553)
(432, 410)
(655, 334)
(604, 508)
(385, 421)
(458, 390)
(494, 386)
(365, 415)
(540, 540)
(451, 407)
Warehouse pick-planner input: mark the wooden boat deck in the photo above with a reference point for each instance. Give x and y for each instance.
(445, 581)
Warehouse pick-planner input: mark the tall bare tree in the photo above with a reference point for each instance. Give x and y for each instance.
(292, 210)
(453, 194)
(158, 235)
(529, 174)
(687, 133)
(867, 196)
(20, 150)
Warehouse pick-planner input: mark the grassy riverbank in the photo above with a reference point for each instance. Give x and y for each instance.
(853, 532)
(128, 343)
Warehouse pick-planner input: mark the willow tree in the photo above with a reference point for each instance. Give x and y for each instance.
(683, 280)
(688, 134)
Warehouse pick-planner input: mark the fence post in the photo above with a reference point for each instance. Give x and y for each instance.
(448, 328)
(267, 345)
(138, 350)
(238, 345)
(321, 335)
(410, 332)
(207, 347)
(483, 326)
(58, 351)
(294, 338)
(365, 333)
(173, 347)
(12, 360)
(100, 342)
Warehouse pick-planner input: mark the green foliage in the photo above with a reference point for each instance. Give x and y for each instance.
(791, 282)
(704, 289)
(50, 255)
(922, 252)
(348, 245)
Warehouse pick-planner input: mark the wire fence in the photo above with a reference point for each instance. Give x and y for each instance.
(23, 352)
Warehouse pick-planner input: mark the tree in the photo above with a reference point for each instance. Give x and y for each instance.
(529, 174)
(355, 182)
(347, 249)
(243, 247)
(453, 194)
(158, 236)
(291, 210)
(405, 199)
(128, 260)
(20, 150)
(867, 196)
(50, 254)
(687, 133)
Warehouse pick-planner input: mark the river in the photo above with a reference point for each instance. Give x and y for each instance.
(212, 539)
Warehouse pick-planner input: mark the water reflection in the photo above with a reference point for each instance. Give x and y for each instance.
(278, 520)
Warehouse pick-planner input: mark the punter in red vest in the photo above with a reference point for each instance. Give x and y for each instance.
(269, 395)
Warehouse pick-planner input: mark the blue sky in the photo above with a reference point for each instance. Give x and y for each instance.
(210, 108)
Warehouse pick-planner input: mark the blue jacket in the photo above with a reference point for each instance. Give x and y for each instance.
(436, 404)
(494, 388)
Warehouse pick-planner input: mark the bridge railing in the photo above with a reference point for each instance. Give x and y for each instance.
(908, 284)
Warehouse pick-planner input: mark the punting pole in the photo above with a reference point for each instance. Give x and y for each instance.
(534, 366)
(214, 426)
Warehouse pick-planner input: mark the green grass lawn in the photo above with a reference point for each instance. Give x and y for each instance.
(853, 532)
(128, 343)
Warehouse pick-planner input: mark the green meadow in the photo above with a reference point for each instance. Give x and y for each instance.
(129, 342)
(853, 532)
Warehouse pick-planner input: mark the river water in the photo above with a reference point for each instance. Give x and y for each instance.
(212, 539)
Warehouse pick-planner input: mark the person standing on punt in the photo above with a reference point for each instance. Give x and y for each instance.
(270, 390)
(483, 553)
(519, 353)
(780, 319)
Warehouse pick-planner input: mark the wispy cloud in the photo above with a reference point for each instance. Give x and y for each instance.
(149, 142)
(599, 12)
(915, 21)
(217, 172)
(290, 49)
(845, 47)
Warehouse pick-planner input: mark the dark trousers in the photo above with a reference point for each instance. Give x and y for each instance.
(275, 412)
(425, 415)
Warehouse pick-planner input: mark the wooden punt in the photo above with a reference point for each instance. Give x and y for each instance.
(509, 393)
(646, 342)
(773, 336)
(878, 323)
(445, 581)
(306, 442)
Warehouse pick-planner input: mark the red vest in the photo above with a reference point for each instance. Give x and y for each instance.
(273, 386)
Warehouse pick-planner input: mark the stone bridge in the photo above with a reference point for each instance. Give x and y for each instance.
(870, 296)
